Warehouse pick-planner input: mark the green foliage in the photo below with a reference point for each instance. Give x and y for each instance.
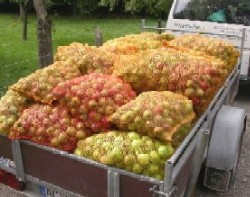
(155, 8)
(86, 7)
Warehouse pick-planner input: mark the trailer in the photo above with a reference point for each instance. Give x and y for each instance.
(214, 142)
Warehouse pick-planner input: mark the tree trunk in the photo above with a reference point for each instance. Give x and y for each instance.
(45, 51)
(25, 21)
(21, 7)
(74, 8)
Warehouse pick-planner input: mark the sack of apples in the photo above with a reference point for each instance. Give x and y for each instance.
(134, 43)
(93, 98)
(11, 106)
(203, 45)
(127, 150)
(89, 59)
(50, 126)
(168, 69)
(39, 85)
(156, 114)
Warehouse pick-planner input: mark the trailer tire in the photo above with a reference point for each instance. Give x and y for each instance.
(224, 148)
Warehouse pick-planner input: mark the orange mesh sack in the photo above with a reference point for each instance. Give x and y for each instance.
(127, 150)
(156, 114)
(89, 59)
(39, 85)
(49, 126)
(94, 97)
(171, 70)
(131, 44)
(202, 45)
(11, 107)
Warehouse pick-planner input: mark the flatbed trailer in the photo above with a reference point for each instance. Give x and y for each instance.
(214, 142)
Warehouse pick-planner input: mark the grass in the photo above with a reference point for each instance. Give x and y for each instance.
(18, 58)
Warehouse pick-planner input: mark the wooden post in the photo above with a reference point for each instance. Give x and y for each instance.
(45, 50)
(98, 37)
(159, 25)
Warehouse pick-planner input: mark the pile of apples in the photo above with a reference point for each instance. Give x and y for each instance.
(89, 59)
(93, 98)
(127, 150)
(39, 85)
(50, 126)
(203, 45)
(11, 106)
(155, 114)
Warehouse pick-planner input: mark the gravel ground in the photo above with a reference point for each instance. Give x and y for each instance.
(242, 182)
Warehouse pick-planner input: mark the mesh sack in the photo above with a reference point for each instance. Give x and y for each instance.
(93, 98)
(39, 85)
(127, 150)
(131, 44)
(89, 59)
(201, 45)
(11, 107)
(156, 114)
(168, 69)
(49, 126)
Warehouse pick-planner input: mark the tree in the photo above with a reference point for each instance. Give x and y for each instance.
(45, 50)
(156, 8)
(24, 4)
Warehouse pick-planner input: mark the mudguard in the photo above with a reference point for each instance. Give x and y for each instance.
(226, 134)
(224, 148)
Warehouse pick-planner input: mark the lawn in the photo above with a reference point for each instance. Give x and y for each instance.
(18, 58)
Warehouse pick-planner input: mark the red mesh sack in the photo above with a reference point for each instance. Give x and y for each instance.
(50, 126)
(93, 98)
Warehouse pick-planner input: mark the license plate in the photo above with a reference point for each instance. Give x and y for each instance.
(47, 192)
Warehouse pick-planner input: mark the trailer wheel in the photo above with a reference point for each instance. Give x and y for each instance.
(224, 148)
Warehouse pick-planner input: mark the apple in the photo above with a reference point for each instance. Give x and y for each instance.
(143, 159)
(165, 151)
(136, 144)
(137, 168)
(154, 156)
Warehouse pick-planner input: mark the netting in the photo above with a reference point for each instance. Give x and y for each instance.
(168, 69)
(89, 59)
(39, 85)
(202, 45)
(131, 44)
(93, 98)
(50, 126)
(156, 114)
(11, 106)
(127, 150)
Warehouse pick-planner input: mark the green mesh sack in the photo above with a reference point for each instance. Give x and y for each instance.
(127, 150)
